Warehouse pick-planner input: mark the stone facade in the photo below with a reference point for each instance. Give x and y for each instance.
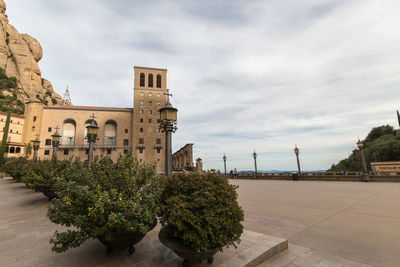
(114, 135)
(120, 129)
(150, 89)
(183, 158)
(15, 146)
(199, 165)
(386, 168)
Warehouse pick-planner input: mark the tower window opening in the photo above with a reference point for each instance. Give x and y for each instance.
(142, 79)
(158, 81)
(150, 80)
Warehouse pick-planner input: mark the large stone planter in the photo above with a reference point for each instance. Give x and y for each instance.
(50, 193)
(124, 241)
(187, 254)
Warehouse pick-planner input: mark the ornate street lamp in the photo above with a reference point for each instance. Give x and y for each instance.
(91, 136)
(168, 117)
(296, 151)
(224, 158)
(36, 144)
(360, 145)
(55, 142)
(255, 163)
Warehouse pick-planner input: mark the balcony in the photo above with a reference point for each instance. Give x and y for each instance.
(140, 146)
(67, 141)
(110, 141)
(157, 146)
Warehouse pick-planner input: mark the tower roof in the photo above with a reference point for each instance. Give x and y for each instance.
(66, 99)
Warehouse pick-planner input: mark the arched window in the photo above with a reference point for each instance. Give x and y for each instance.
(141, 79)
(68, 132)
(17, 150)
(110, 133)
(87, 123)
(158, 81)
(12, 150)
(150, 80)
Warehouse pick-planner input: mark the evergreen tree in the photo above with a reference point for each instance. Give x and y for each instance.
(5, 138)
(381, 144)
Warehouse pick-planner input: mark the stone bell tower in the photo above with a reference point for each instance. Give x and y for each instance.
(149, 95)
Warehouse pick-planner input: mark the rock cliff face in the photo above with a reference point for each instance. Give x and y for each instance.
(19, 57)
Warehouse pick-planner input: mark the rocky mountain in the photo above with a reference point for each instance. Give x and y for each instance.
(19, 57)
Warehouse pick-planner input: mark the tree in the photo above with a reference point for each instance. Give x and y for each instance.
(381, 144)
(377, 132)
(5, 138)
(28, 149)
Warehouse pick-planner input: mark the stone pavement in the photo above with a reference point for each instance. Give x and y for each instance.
(326, 223)
(25, 232)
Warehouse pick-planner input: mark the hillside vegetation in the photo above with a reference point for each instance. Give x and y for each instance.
(381, 144)
(8, 94)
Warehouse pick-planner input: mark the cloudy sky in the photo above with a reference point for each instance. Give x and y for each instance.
(245, 75)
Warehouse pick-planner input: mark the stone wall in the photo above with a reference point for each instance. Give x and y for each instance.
(183, 158)
(341, 178)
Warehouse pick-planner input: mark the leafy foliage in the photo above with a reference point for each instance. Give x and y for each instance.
(17, 168)
(5, 138)
(43, 175)
(381, 144)
(201, 211)
(5, 82)
(105, 200)
(9, 102)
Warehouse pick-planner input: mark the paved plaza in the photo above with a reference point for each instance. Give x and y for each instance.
(327, 224)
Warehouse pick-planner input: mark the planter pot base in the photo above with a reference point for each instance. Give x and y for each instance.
(125, 241)
(50, 194)
(186, 253)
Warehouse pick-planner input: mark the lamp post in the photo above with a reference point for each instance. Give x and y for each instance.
(36, 144)
(55, 142)
(91, 136)
(168, 117)
(255, 163)
(224, 158)
(360, 145)
(296, 151)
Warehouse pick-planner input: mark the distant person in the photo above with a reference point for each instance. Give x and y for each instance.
(231, 174)
(218, 172)
(235, 173)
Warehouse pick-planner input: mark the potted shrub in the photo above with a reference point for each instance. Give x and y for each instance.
(16, 167)
(199, 215)
(42, 176)
(115, 203)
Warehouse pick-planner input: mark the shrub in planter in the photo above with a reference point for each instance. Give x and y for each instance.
(200, 212)
(17, 167)
(42, 176)
(113, 202)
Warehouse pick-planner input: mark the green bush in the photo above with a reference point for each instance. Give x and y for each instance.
(17, 167)
(43, 175)
(381, 144)
(105, 200)
(201, 211)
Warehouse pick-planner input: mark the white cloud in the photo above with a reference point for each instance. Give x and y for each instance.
(244, 74)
